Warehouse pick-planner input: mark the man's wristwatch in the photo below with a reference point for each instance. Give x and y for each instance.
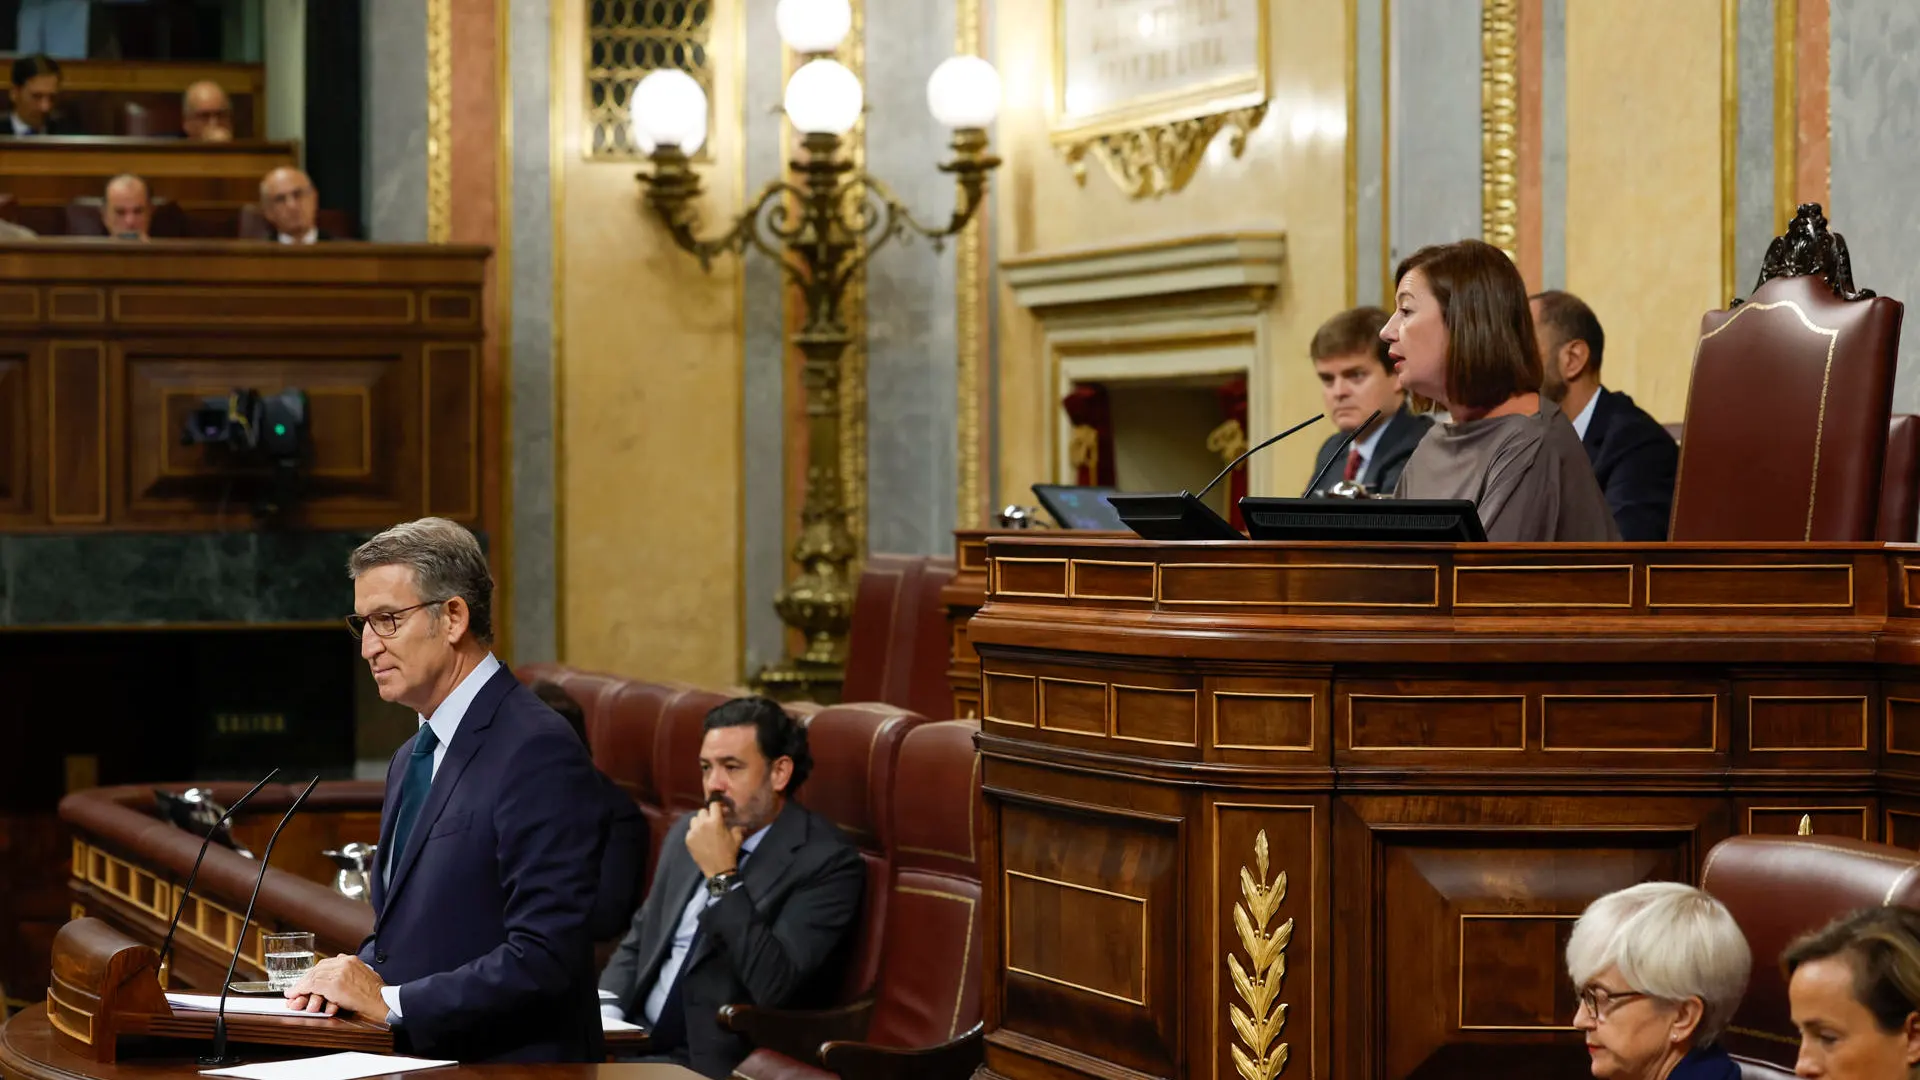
(718, 884)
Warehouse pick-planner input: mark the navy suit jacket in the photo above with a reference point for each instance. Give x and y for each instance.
(1634, 459)
(484, 923)
(1403, 432)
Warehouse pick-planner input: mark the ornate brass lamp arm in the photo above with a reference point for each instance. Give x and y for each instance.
(672, 188)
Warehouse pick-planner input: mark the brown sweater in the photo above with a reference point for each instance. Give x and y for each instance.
(1528, 476)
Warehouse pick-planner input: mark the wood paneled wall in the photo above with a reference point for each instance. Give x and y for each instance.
(106, 349)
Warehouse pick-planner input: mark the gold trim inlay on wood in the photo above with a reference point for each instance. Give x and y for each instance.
(1861, 698)
(1432, 602)
(1313, 719)
(1760, 568)
(1106, 714)
(1193, 713)
(1073, 579)
(1259, 982)
(1887, 714)
(998, 563)
(1006, 936)
(1626, 568)
(1713, 724)
(1521, 698)
(1865, 817)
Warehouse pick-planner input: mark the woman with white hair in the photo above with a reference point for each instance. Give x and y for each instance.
(1660, 967)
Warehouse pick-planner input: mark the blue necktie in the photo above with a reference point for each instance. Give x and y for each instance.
(413, 792)
(670, 1033)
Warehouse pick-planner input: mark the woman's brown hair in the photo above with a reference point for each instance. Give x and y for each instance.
(1882, 946)
(1491, 351)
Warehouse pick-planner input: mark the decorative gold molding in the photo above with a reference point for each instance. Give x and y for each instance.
(1786, 110)
(1729, 142)
(1161, 158)
(853, 362)
(1261, 1022)
(970, 304)
(439, 121)
(1500, 124)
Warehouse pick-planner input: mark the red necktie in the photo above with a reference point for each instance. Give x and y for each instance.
(1353, 464)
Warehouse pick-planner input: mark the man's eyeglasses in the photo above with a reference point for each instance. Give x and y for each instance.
(385, 623)
(1599, 1003)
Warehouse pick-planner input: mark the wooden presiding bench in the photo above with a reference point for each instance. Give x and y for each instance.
(211, 182)
(107, 346)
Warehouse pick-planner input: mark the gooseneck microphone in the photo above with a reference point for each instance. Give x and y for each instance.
(219, 1056)
(1337, 451)
(1235, 463)
(167, 943)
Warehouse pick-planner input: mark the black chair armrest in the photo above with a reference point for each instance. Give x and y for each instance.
(955, 1060)
(797, 1033)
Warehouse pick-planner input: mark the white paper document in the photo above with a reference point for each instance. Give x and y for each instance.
(348, 1066)
(236, 1005)
(608, 995)
(614, 1023)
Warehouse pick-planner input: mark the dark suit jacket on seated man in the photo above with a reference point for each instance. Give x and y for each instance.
(1356, 379)
(751, 902)
(1633, 457)
(489, 859)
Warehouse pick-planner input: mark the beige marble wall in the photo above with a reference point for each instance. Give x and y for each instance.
(1644, 230)
(648, 401)
(1292, 177)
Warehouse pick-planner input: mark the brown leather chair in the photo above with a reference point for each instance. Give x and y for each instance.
(1779, 887)
(924, 1021)
(897, 642)
(1786, 422)
(1900, 482)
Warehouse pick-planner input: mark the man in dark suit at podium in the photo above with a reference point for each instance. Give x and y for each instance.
(489, 858)
(1355, 379)
(1633, 456)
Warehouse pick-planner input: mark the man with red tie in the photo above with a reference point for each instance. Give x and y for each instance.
(1355, 380)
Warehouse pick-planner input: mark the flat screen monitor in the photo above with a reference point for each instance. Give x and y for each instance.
(1076, 507)
(1175, 516)
(1362, 520)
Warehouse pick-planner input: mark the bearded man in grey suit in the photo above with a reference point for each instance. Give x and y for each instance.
(751, 903)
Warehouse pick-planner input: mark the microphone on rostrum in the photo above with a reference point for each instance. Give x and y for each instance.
(1337, 451)
(1235, 463)
(219, 1055)
(167, 942)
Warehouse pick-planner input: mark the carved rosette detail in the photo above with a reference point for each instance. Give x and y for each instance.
(1500, 124)
(1256, 1055)
(1152, 161)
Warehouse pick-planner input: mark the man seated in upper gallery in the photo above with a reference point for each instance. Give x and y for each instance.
(1355, 379)
(489, 859)
(291, 206)
(751, 902)
(127, 208)
(1633, 456)
(206, 113)
(36, 89)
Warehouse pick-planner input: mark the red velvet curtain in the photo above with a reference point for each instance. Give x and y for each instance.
(1090, 450)
(1229, 440)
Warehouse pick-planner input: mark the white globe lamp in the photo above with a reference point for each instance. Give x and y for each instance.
(964, 92)
(823, 98)
(813, 26)
(669, 109)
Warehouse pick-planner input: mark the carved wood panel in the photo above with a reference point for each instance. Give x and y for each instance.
(1091, 961)
(15, 430)
(77, 433)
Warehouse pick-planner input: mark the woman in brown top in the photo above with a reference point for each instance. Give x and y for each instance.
(1462, 337)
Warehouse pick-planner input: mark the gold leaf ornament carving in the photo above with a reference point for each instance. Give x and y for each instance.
(1155, 160)
(1258, 982)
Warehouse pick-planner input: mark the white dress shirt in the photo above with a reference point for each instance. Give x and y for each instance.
(20, 128)
(1586, 415)
(312, 236)
(445, 722)
(683, 932)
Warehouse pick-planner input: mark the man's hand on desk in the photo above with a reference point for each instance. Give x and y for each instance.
(340, 984)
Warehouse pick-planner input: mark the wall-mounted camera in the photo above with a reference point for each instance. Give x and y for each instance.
(249, 433)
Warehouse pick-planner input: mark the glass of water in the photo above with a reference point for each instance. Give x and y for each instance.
(288, 956)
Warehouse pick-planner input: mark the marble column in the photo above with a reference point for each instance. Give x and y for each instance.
(396, 116)
(1435, 104)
